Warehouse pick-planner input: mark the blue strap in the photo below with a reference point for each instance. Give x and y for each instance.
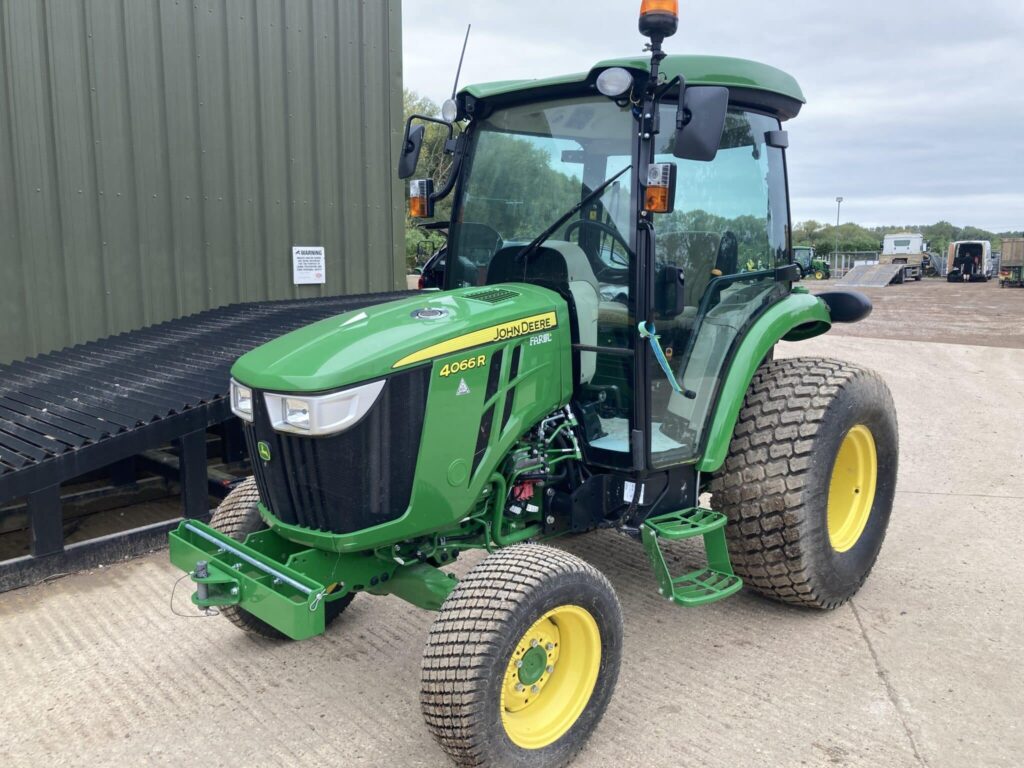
(647, 332)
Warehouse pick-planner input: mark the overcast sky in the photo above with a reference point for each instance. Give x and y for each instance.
(915, 109)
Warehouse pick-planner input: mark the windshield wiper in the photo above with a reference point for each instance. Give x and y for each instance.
(536, 242)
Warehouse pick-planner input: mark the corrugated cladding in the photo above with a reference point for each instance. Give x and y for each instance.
(160, 157)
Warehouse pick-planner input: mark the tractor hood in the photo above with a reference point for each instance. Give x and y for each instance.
(375, 341)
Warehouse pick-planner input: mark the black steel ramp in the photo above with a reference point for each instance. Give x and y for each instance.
(71, 412)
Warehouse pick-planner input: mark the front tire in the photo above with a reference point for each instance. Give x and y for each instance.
(522, 659)
(809, 481)
(238, 516)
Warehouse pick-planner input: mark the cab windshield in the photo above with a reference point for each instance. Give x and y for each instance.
(529, 165)
(715, 255)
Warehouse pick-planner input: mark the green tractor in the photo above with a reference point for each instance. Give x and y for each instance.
(810, 265)
(600, 356)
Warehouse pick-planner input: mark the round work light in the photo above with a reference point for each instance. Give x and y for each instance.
(449, 110)
(614, 82)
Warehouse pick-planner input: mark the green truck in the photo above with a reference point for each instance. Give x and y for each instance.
(810, 265)
(600, 355)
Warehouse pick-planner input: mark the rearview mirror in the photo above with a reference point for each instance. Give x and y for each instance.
(700, 120)
(412, 143)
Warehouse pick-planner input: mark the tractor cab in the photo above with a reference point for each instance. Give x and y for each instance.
(682, 248)
(803, 257)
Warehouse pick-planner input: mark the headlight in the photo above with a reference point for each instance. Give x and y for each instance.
(296, 413)
(241, 401)
(322, 414)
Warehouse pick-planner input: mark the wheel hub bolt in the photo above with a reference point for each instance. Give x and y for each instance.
(534, 689)
(549, 669)
(550, 646)
(520, 687)
(534, 643)
(519, 664)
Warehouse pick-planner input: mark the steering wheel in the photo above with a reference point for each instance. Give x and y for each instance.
(607, 229)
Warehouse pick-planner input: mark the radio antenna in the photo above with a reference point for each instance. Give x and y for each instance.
(458, 71)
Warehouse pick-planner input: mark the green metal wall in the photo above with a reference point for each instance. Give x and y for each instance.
(160, 157)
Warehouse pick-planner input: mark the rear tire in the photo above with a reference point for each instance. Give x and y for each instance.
(522, 659)
(815, 438)
(237, 516)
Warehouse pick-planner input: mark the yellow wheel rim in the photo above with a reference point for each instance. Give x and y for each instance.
(550, 677)
(851, 492)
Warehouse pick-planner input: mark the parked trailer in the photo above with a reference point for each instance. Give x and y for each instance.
(969, 260)
(1011, 263)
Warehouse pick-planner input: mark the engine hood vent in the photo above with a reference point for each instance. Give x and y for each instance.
(493, 295)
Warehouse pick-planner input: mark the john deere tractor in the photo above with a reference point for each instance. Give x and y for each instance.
(810, 265)
(600, 356)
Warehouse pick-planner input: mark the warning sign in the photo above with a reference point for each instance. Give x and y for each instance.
(308, 265)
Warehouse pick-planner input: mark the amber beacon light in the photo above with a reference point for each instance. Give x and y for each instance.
(659, 18)
(660, 190)
(421, 202)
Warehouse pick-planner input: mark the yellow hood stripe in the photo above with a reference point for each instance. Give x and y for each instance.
(500, 332)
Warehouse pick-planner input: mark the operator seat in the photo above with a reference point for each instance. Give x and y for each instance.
(563, 267)
(701, 257)
(728, 258)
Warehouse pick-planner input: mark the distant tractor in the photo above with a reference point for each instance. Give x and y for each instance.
(810, 265)
(1011, 264)
(909, 249)
(969, 260)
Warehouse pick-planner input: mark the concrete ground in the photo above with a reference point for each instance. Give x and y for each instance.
(922, 668)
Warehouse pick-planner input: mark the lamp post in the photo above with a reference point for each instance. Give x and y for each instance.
(839, 204)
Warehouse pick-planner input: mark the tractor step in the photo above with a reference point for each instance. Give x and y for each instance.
(705, 585)
(686, 523)
(699, 587)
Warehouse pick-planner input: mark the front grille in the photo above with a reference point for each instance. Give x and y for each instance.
(353, 480)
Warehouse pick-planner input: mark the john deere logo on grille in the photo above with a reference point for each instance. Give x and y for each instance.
(264, 450)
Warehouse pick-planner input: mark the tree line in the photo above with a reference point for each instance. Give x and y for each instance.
(854, 237)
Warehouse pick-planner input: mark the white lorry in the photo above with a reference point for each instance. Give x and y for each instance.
(909, 249)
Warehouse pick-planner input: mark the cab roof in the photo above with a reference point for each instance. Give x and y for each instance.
(749, 81)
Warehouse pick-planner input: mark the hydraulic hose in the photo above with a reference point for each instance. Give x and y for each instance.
(498, 517)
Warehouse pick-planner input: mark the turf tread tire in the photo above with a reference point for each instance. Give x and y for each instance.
(237, 516)
(473, 636)
(770, 487)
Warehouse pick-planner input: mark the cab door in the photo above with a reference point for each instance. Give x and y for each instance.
(727, 233)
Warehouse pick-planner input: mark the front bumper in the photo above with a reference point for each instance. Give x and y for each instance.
(287, 583)
(246, 574)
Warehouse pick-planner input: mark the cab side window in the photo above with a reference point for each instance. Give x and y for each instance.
(727, 233)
